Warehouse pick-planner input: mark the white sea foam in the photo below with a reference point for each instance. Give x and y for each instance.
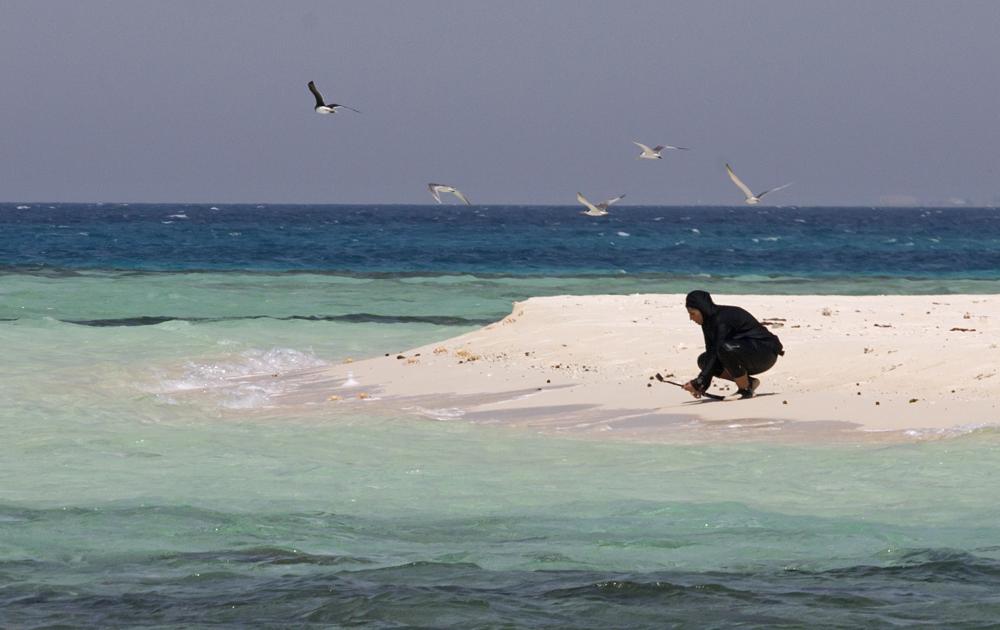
(244, 381)
(177, 216)
(23, 207)
(945, 432)
(623, 234)
(446, 413)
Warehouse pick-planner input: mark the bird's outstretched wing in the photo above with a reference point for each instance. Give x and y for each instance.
(671, 147)
(644, 148)
(739, 182)
(604, 205)
(434, 191)
(334, 105)
(771, 190)
(315, 92)
(458, 193)
(590, 206)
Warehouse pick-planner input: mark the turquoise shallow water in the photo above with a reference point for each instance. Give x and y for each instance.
(124, 503)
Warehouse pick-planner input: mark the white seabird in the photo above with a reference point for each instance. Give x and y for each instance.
(654, 153)
(600, 209)
(751, 199)
(322, 107)
(437, 189)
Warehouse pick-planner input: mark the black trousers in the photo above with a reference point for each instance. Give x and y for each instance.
(742, 356)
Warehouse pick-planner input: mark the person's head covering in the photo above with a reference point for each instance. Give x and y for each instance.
(702, 301)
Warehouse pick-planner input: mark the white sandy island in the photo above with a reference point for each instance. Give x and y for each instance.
(903, 365)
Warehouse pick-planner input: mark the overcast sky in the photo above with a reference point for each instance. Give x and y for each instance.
(513, 102)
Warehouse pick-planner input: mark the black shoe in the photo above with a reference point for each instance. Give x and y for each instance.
(749, 392)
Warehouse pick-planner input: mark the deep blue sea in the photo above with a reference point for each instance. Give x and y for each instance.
(124, 503)
(807, 243)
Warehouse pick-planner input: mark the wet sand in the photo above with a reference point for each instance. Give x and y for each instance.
(903, 366)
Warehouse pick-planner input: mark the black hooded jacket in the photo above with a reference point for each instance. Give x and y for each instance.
(726, 323)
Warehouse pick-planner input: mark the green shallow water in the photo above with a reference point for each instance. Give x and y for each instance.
(125, 503)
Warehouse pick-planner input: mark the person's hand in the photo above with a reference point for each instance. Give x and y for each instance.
(692, 389)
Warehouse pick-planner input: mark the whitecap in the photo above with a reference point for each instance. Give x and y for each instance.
(177, 216)
(214, 208)
(623, 234)
(695, 231)
(24, 207)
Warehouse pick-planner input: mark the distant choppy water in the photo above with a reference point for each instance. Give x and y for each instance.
(123, 503)
(804, 242)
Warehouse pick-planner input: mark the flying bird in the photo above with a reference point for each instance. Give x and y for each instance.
(437, 189)
(322, 107)
(751, 199)
(654, 153)
(600, 209)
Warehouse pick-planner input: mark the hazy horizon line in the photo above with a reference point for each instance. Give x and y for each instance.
(502, 205)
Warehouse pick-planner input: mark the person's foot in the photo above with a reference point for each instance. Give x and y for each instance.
(754, 383)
